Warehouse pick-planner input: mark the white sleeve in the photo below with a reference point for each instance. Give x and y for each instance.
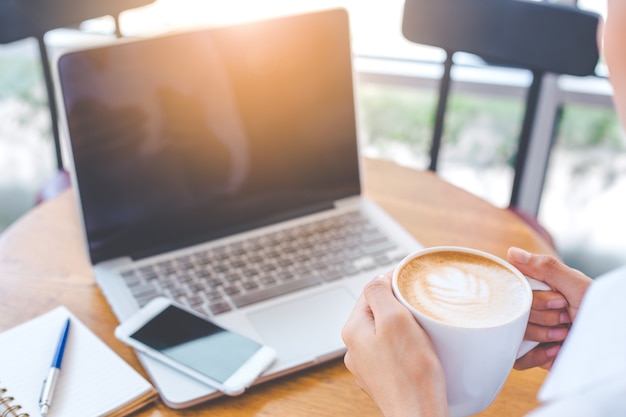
(605, 400)
(588, 377)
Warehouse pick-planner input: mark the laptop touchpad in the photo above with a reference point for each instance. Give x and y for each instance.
(307, 327)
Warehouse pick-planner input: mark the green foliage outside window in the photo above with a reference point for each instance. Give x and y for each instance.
(490, 124)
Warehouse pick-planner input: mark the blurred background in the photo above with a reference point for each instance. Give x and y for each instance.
(581, 200)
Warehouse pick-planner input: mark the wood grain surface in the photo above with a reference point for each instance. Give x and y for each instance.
(43, 263)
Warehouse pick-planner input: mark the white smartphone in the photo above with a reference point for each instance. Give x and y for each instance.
(186, 341)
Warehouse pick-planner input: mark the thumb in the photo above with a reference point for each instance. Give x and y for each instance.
(547, 268)
(379, 296)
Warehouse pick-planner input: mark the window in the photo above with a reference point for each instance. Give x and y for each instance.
(580, 203)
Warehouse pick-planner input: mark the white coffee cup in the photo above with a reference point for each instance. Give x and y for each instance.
(474, 307)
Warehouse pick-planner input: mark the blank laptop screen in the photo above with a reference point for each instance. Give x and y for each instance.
(191, 136)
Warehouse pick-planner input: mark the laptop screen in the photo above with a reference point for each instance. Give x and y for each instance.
(192, 136)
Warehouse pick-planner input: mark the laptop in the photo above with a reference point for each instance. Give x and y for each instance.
(220, 167)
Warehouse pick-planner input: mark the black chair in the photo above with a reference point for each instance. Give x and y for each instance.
(541, 37)
(21, 19)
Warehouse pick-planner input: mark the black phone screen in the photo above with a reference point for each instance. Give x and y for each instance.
(197, 343)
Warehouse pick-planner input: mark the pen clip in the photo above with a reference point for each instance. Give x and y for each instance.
(49, 384)
(43, 389)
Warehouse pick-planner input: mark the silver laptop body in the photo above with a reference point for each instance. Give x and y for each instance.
(220, 167)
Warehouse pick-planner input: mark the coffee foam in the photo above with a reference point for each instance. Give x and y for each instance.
(462, 289)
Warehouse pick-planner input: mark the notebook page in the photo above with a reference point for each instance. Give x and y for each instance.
(94, 380)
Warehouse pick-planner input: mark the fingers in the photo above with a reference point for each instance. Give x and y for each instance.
(552, 312)
(360, 324)
(347, 360)
(378, 292)
(391, 356)
(549, 320)
(549, 317)
(543, 355)
(541, 267)
(548, 300)
(544, 268)
(549, 309)
(569, 283)
(546, 333)
(387, 311)
(375, 309)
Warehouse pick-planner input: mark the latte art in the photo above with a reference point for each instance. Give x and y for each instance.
(456, 289)
(462, 289)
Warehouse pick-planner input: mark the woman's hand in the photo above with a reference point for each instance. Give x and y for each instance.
(552, 312)
(391, 356)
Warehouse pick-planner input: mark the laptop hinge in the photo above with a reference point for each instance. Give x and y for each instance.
(116, 262)
(348, 201)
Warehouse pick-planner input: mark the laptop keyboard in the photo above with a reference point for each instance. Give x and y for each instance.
(220, 279)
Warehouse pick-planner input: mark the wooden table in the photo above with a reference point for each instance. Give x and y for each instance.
(43, 263)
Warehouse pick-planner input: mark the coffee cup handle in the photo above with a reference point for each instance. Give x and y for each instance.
(528, 345)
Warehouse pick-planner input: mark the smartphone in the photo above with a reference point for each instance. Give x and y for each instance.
(189, 342)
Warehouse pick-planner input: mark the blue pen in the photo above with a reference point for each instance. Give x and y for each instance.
(49, 385)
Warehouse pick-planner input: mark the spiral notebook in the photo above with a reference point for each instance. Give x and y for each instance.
(94, 381)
